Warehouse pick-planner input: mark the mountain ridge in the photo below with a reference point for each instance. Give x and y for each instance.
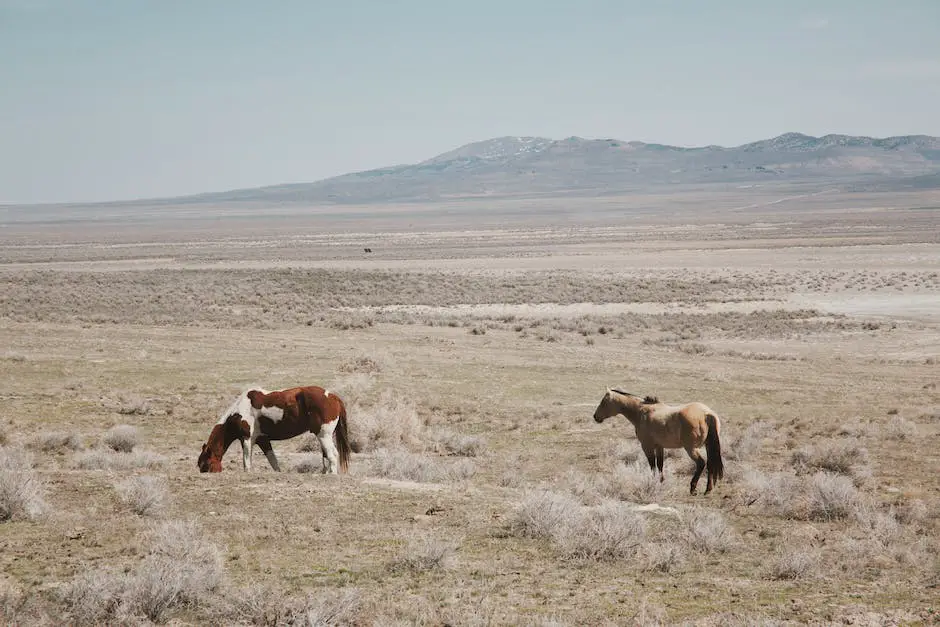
(514, 166)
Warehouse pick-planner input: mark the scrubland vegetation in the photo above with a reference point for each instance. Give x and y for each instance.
(480, 491)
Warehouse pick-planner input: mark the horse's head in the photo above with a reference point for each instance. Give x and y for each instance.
(605, 409)
(207, 461)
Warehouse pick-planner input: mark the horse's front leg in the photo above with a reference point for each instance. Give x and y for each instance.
(649, 450)
(265, 444)
(660, 454)
(247, 445)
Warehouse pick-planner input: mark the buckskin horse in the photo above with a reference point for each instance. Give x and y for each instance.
(260, 417)
(660, 426)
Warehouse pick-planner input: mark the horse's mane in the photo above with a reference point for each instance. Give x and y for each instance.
(647, 400)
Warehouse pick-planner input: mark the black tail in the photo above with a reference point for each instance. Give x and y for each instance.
(716, 467)
(342, 437)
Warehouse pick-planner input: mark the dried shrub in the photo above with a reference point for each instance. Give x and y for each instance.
(392, 422)
(665, 556)
(900, 429)
(611, 530)
(361, 363)
(182, 568)
(426, 553)
(708, 531)
(309, 464)
(747, 444)
(794, 563)
(22, 495)
(541, 512)
(144, 495)
(841, 457)
(105, 459)
(406, 466)
(134, 406)
(121, 438)
(459, 444)
(777, 494)
(56, 441)
(832, 497)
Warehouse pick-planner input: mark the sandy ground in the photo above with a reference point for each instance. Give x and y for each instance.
(517, 380)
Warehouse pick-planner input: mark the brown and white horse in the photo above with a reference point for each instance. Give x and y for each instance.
(259, 417)
(660, 426)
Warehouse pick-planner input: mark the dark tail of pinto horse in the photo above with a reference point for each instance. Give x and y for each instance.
(342, 437)
(715, 467)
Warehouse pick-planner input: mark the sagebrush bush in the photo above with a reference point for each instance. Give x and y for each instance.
(778, 494)
(406, 466)
(121, 438)
(611, 530)
(794, 563)
(262, 604)
(901, 429)
(309, 464)
(708, 531)
(832, 497)
(56, 441)
(22, 494)
(425, 553)
(841, 457)
(144, 495)
(107, 459)
(541, 512)
(748, 442)
(182, 567)
(459, 444)
(392, 422)
(134, 406)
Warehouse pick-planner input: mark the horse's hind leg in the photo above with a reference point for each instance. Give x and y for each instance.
(699, 467)
(328, 448)
(265, 444)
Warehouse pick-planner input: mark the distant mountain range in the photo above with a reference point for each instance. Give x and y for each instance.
(520, 166)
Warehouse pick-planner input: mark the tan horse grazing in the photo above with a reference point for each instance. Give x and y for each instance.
(258, 417)
(660, 426)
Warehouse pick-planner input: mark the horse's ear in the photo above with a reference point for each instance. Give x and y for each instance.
(233, 418)
(204, 446)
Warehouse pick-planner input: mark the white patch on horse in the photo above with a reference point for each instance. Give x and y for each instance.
(326, 393)
(273, 413)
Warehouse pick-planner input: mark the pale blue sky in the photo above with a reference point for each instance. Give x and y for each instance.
(120, 99)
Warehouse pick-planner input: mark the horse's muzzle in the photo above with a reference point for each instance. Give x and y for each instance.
(598, 418)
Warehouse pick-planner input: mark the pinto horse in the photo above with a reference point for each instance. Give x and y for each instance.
(258, 417)
(660, 426)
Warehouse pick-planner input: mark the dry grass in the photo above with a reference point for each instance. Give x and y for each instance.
(144, 495)
(22, 494)
(486, 437)
(391, 422)
(121, 438)
(56, 442)
(426, 553)
(108, 459)
(181, 568)
(405, 466)
(794, 563)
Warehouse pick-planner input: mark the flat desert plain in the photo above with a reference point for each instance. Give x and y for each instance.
(472, 345)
